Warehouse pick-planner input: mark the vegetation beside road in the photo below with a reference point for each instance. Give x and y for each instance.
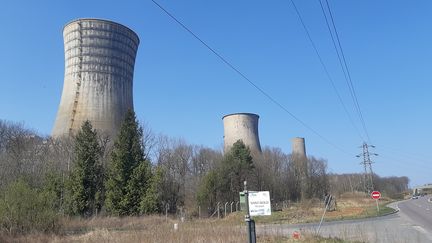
(349, 206)
(228, 229)
(79, 185)
(155, 229)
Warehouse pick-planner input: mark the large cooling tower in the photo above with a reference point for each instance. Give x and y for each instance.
(99, 67)
(298, 147)
(241, 126)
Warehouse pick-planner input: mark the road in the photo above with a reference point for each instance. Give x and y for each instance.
(419, 211)
(413, 223)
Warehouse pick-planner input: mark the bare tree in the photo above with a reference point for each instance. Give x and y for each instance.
(184, 166)
(270, 173)
(20, 152)
(149, 142)
(317, 179)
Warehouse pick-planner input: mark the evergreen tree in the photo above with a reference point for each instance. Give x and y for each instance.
(85, 185)
(237, 167)
(54, 186)
(137, 187)
(207, 194)
(150, 203)
(225, 182)
(129, 172)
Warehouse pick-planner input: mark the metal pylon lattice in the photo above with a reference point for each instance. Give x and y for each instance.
(367, 164)
(78, 78)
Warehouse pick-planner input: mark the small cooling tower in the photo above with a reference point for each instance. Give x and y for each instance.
(241, 126)
(298, 147)
(99, 66)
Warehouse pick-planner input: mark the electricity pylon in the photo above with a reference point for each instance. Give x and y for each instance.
(367, 164)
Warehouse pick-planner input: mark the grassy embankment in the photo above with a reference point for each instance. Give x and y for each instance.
(155, 229)
(347, 208)
(229, 229)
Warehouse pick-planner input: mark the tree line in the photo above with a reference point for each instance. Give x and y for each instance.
(83, 175)
(392, 186)
(139, 173)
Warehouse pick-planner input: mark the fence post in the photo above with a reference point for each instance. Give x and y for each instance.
(225, 209)
(166, 212)
(218, 206)
(199, 212)
(231, 206)
(237, 203)
(181, 214)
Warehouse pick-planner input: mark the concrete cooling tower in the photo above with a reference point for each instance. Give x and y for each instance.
(99, 66)
(298, 147)
(241, 126)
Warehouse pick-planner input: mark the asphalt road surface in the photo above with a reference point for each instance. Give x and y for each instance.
(413, 223)
(418, 210)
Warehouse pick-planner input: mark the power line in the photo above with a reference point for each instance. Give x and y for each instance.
(325, 69)
(247, 79)
(349, 80)
(416, 155)
(411, 159)
(406, 162)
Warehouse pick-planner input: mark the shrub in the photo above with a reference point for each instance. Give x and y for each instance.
(24, 210)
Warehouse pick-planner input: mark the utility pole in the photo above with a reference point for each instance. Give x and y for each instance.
(367, 164)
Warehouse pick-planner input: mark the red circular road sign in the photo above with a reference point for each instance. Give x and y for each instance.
(296, 235)
(376, 195)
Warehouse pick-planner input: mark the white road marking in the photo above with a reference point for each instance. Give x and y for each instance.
(420, 229)
(395, 206)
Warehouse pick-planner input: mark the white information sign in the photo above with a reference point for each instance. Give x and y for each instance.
(259, 203)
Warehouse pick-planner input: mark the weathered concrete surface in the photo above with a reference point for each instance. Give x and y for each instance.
(99, 65)
(241, 126)
(298, 147)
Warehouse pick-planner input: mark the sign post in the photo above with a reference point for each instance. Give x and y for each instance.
(249, 221)
(242, 201)
(256, 204)
(376, 195)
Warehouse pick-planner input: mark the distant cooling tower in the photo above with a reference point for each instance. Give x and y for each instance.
(241, 126)
(99, 66)
(298, 147)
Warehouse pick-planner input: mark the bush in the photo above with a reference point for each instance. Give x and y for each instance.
(24, 210)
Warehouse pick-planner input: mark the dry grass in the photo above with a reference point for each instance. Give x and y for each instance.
(154, 229)
(229, 229)
(139, 229)
(349, 206)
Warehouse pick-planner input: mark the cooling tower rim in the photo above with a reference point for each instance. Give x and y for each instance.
(298, 138)
(103, 20)
(241, 113)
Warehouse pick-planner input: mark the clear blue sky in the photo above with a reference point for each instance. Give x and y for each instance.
(182, 90)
